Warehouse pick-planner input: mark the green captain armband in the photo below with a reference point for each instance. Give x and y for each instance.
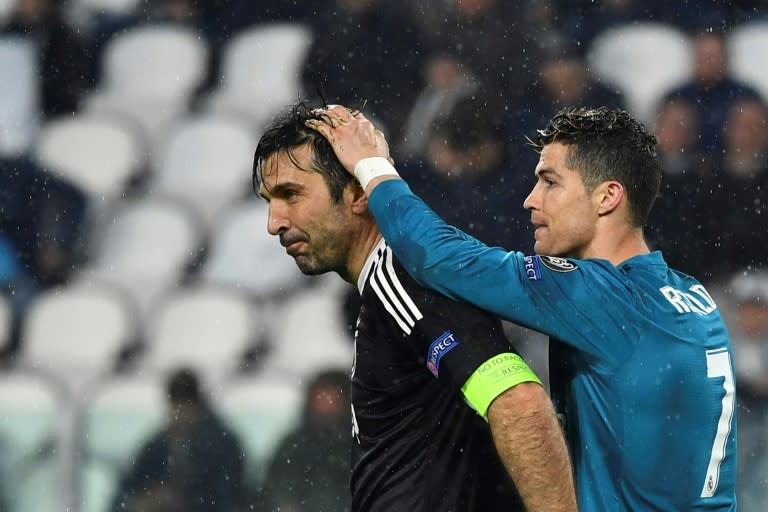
(495, 376)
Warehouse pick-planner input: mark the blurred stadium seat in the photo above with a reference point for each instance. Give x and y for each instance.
(745, 42)
(261, 409)
(149, 75)
(118, 417)
(98, 154)
(76, 333)
(307, 331)
(206, 161)
(242, 253)
(19, 94)
(203, 327)
(261, 70)
(644, 60)
(144, 248)
(30, 425)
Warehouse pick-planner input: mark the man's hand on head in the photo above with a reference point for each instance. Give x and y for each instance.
(352, 136)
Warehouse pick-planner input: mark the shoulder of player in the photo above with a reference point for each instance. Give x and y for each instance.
(588, 280)
(388, 277)
(536, 266)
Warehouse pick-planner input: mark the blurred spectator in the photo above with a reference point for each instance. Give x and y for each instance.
(681, 223)
(193, 464)
(745, 136)
(696, 184)
(585, 19)
(356, 40)
(677, 131)
(222, 19)
(446, 83)
(10, 269)
(18, 287)
(488, 37)
(466, 179)
(309, 471)
(44, 217)
(749, 332)
(712, 91)
(542, 23)
(561, 79)
(743, 11)
(64, 64)
(743, 184)
(41, 228)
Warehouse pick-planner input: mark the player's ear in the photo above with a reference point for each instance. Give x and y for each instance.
(608, 196)
(359, 201)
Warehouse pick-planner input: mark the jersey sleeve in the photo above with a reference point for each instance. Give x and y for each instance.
(585, 303)
(466, 348)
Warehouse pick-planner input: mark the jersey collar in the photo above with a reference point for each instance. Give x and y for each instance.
(373, 256)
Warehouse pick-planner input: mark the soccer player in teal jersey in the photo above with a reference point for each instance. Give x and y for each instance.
(641, 359)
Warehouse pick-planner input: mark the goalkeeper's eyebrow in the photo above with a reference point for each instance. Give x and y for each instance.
(281, 190)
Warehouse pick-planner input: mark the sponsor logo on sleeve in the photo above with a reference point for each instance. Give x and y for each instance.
(557, 264)
(438, 348)
(532, 267)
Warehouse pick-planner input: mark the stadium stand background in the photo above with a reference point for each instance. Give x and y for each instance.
(131, 243)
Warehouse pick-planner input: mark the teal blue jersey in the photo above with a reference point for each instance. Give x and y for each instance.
(641, 364)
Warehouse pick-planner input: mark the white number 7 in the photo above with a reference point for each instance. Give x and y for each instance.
(719, 365)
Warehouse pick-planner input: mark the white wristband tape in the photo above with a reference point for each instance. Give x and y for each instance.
(373, 167)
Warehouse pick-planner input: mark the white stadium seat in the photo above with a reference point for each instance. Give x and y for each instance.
(202, 327)
(747, 49)
(149, 74)
(76, 333)
(261, 70)
(98, 154)
(261, 410)
(19, 94)
(155, 61)
(31, 409)
(118, 417)
(243, 254)
(206, 161)
(149, 117)
(145, 248)
(307, 330)
(644, 60)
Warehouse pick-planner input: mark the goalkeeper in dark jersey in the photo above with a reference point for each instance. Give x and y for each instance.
(446, 414)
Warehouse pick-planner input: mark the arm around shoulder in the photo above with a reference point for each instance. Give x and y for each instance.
(531, 445)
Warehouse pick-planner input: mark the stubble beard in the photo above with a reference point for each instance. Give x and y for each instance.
(309, 266)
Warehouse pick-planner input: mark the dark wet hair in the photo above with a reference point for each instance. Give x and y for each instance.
(288, 132)
(606, 144)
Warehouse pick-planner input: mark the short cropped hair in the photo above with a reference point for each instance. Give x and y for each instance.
(288, 132)
(606, 144)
